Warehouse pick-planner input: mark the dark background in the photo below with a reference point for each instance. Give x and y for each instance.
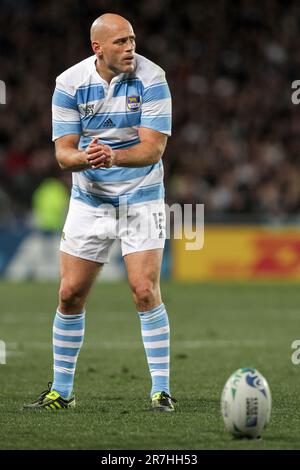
(230, 65)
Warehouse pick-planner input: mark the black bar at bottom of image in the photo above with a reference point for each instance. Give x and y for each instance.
(141, 458)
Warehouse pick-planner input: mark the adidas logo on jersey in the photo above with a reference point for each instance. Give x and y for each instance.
(108, 123)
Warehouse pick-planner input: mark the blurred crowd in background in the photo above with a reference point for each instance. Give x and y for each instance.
(230, 65)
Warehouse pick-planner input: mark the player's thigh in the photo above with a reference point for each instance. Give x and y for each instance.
(77, 274)
(88, 232)
(144, 267)
(143, 242)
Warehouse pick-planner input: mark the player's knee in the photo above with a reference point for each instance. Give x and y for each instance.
(144, 294)
(70, 297)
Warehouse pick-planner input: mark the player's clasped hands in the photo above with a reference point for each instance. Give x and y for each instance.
(99, 155)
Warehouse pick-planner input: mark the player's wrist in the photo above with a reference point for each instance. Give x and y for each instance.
(114, 157)
(83, 157)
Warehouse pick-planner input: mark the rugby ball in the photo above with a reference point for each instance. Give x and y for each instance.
(246, 403)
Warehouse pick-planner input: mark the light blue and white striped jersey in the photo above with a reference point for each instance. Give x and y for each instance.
(85, 104)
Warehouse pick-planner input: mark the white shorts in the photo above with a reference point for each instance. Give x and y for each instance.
(89, 232)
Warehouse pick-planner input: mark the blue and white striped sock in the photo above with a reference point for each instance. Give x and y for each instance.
(156, 339)
(68, 333)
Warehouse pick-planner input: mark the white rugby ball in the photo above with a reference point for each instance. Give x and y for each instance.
(246, 403)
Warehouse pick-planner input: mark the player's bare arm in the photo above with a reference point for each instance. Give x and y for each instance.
(148, 152)
(71, 159)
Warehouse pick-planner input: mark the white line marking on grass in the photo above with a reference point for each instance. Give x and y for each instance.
(219, 343)
(30, 318)
(15, 353)
(115, 345)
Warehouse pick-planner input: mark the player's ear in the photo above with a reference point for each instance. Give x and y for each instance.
(97, 48)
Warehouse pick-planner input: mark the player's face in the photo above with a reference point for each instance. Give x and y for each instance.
(118, 51)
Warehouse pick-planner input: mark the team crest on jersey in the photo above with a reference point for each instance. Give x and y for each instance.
(133, 102)
(86, 109)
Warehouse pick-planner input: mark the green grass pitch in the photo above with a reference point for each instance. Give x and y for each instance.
(216, 328)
